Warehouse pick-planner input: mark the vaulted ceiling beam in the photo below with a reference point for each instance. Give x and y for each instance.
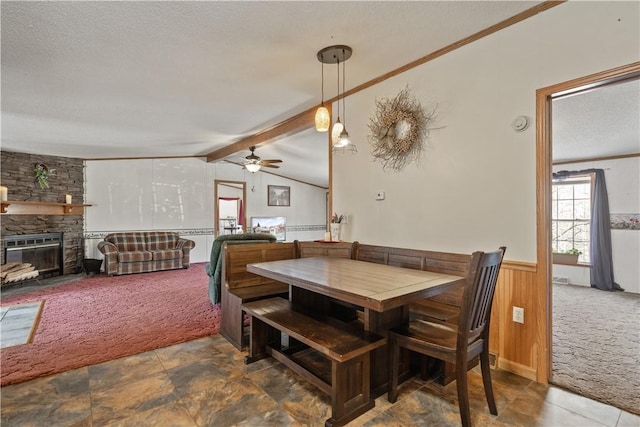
(306, 119)
(291, 126)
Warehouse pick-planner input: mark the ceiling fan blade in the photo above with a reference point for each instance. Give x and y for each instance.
(254, 159)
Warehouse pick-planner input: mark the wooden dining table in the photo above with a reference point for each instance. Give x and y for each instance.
(382, 292)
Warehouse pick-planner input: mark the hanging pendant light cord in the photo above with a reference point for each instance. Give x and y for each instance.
(338, 62)
(322, 72)
(344, 107)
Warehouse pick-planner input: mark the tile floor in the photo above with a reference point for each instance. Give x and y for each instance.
(205, 383)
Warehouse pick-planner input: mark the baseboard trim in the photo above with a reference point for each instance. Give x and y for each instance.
(518, 369)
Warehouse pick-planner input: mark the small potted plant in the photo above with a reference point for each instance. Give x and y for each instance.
(567, 257)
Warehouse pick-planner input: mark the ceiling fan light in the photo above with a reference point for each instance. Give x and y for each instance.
(252, 167)
(323, 120)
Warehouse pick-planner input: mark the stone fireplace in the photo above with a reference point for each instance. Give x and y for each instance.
(66, 178)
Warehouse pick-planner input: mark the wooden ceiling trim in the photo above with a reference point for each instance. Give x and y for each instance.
(305, 120)
(460, 43)
(596, 159)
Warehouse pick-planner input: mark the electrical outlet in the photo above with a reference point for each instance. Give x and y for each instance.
(518, 314)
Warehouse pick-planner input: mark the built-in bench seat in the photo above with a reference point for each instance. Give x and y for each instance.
(345, 348)
(240, 286)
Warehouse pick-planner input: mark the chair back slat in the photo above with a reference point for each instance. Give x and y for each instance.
(478, 295)
(435, 339)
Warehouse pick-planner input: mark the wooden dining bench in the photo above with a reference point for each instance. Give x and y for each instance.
(343, 371)
(240, 286)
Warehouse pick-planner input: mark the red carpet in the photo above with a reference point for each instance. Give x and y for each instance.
(104, 318)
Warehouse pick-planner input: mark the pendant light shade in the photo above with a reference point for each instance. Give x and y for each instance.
(344, 138)
(344, 144)
(323, 120)
(347, 149)
(336, 131)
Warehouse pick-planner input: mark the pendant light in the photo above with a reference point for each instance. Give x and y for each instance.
(337, 127)
(334, 55)
(323, 120)
(343, 139)
(343, 144)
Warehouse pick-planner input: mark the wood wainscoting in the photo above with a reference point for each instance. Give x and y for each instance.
(515, 344)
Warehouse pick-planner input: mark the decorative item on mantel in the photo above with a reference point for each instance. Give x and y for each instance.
(41, 172)
(399, 130)
(336, 222)
(3, 194)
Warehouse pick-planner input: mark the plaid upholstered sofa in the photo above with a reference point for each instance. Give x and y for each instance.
(142, 252)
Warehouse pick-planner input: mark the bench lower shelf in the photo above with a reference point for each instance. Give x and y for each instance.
(306, 362)
(335, 359)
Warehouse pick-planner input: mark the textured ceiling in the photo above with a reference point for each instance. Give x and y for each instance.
(146, 79)
(597, 123)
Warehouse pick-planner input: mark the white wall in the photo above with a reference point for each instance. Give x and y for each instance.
(178, 194)
(475, 185)
(623, 186)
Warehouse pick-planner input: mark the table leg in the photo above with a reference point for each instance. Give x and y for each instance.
(380, 323)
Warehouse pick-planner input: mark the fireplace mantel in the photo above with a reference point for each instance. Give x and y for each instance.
(41, 208)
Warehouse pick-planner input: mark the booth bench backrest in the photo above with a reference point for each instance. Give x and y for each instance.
(439, 262)
(236, 257)
(335, 250)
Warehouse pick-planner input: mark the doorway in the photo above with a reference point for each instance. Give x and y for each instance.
(230, 207)
(544, 98)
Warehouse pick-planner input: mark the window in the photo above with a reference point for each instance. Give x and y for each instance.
(571, 215)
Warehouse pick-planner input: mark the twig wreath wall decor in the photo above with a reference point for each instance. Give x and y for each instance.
(399, 129)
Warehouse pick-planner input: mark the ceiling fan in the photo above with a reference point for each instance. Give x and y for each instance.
(253, 163)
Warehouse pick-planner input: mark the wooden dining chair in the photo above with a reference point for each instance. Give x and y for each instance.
(453, 343)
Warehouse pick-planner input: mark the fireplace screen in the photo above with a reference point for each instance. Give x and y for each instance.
(43, 251)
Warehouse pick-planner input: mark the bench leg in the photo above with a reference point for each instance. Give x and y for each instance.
(350, 390)
(261, 335)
